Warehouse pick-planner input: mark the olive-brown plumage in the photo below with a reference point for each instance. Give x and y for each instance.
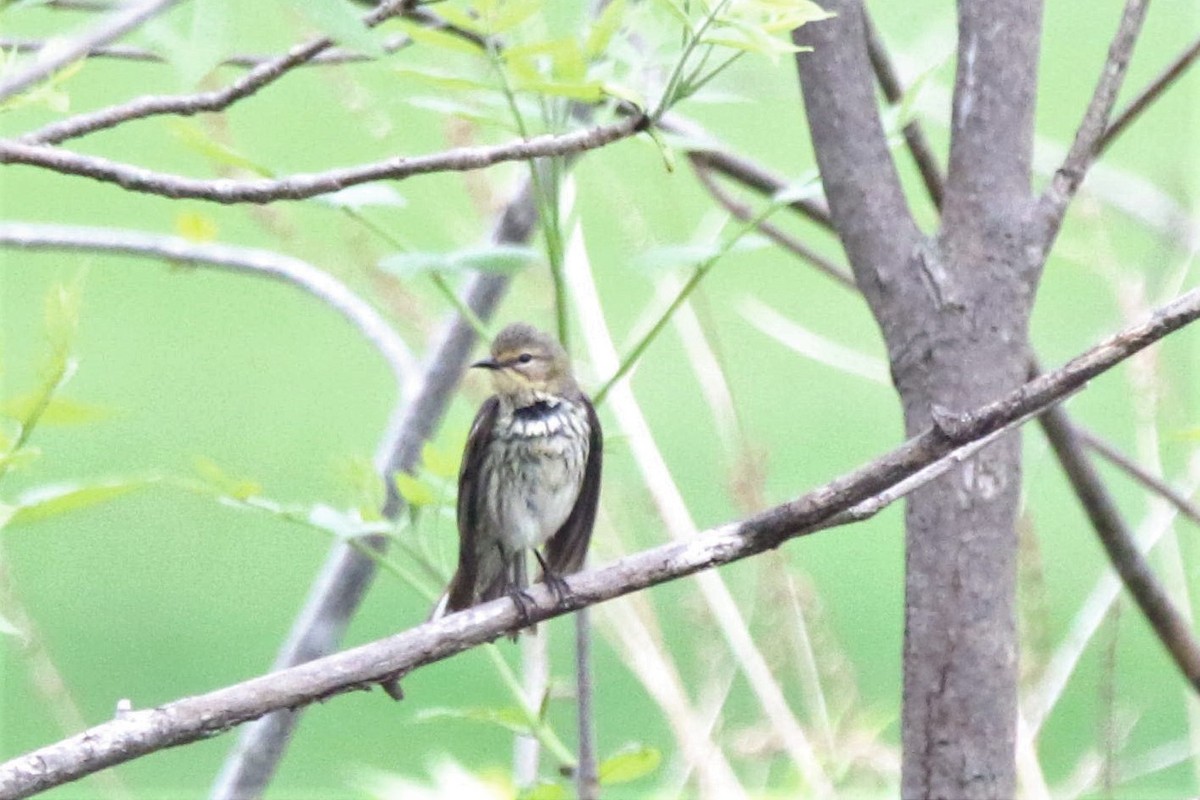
(530, 475)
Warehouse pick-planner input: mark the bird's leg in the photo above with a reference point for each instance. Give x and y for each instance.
(555, 582)
(518, 580)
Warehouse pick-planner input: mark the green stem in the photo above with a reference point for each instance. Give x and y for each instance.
(546, 198)
(537, 726)
(698, 275)
(669, 94)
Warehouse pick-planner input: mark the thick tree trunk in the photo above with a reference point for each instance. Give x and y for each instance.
(954, 315)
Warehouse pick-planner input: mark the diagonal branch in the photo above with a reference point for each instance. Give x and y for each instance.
(776, 234)
(259, 76)
(1105, 450)
(1171, 627)
(1147, 96)
(1052, 205)
(302, 186)
(56, 54)
(374, 328)
(141, 732)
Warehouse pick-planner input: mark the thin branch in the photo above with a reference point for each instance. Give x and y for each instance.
(339, 588)
(776, 234)
(1152, 92)
(914, 136)
(125, 52)
(1041, 698)
(138, 733)
(267, 263)
(1186, 507)
(705, 151)
(302, 186)
(1171, 627)
(57, 54)
(1052, 205)
(187, 104)
(587, 774)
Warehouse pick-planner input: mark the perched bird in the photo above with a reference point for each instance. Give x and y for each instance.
(530, 475)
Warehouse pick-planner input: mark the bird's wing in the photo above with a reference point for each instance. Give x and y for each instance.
(568, 547)
(463, 587)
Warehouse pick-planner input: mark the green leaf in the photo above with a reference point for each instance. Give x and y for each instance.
(340, 21)
(416, 492)
(6, 513)
(511, 13)
(510, 718)
(498, 258)
(628, 764)
(603, 29)
(442, 79)
(217, 481)
(583, 91)
(440, 462)
(44, 502)
(439, 39)
(57, 411)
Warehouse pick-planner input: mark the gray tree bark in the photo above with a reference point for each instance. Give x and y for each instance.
(953, 310)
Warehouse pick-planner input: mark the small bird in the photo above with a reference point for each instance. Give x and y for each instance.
(530, 475)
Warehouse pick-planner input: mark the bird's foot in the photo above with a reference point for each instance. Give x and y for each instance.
(558, 586)
(523, 601)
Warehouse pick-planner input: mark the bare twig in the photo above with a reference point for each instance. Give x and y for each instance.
(125, 52)
(1041, 698)
(56, 54)
(1169, 624)
(587, 775)
(914, 136)
(320, 284)
(339, 588)
(1052, 205)
(1152, 482)
(144, 731)
(777, 235)
(1147, 96)
(258, 77)
(703, 150)
(302, 186)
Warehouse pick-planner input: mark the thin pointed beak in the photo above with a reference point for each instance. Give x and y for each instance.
(486, 363)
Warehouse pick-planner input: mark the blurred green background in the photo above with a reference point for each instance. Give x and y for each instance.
(165, 593)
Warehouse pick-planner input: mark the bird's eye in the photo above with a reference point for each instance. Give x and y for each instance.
(525, 358)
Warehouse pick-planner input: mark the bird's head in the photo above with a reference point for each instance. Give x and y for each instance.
(527, 364)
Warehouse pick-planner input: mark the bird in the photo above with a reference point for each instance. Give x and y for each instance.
(530, 475)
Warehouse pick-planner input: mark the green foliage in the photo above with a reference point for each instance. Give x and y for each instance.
(44, 502)
(631, 762)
